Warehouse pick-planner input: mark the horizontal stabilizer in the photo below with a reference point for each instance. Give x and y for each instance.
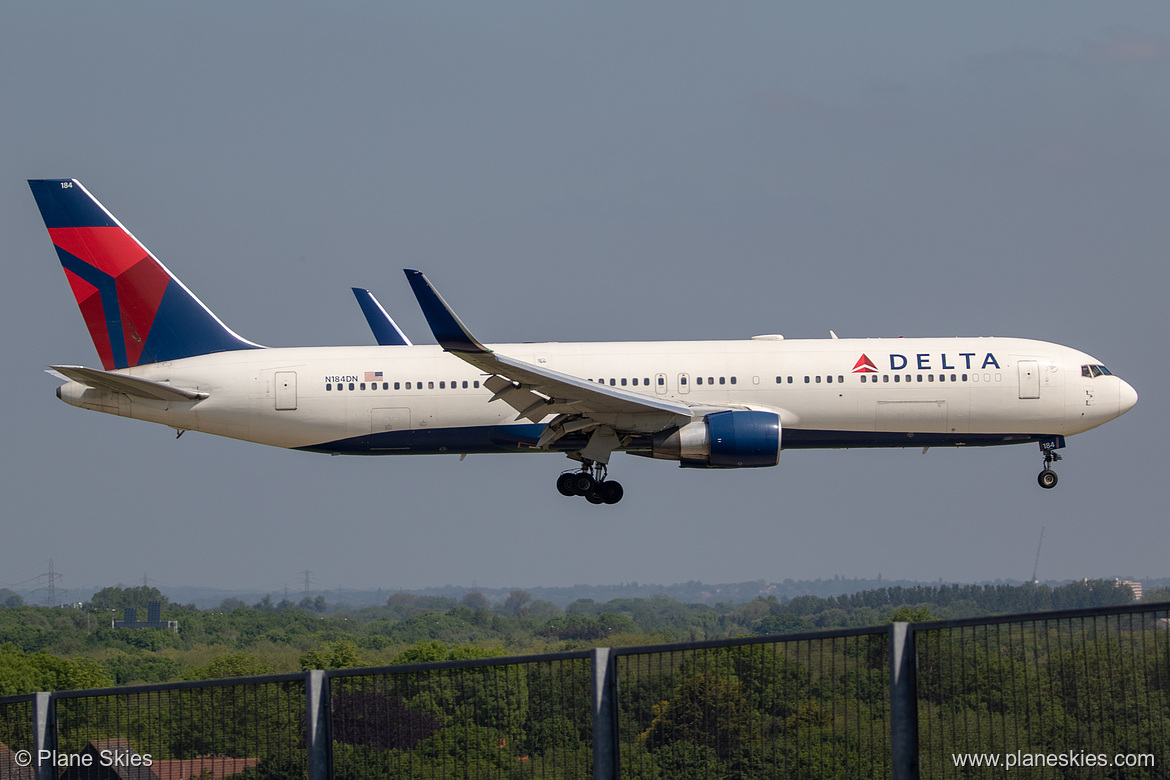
(130, 385)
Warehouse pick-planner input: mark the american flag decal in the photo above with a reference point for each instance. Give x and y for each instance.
(373, 376)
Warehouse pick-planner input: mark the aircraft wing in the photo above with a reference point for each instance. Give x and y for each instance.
(534, 391)
(130, 385)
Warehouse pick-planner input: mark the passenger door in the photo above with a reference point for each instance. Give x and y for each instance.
(1029, 379)
(285, 383)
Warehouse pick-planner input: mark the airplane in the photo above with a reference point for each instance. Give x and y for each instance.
(166, 358)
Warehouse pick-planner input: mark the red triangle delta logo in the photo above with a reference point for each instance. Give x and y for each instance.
(864, 366)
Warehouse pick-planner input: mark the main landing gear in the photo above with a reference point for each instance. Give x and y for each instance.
(590, 482)
(1047, 477)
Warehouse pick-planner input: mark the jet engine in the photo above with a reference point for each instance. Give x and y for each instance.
(722, 440)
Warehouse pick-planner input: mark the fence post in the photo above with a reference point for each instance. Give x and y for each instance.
(317, 738)
(903, 703)
(604, 715)
(44, 734)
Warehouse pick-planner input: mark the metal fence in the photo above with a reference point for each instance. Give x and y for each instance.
(223, 728)
(16, 734)
(813, 705)
(504, 718)
(1081, 693)
(936, 700)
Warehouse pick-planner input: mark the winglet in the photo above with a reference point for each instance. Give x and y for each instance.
(449, 330)
(386, 331)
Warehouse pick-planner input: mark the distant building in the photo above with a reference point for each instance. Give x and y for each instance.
(11, 768)
(119, 756)
(202, 768)
(114, 759)
(153, 618)
(1136, 587)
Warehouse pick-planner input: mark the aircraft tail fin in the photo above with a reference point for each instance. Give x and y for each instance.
(136, 310)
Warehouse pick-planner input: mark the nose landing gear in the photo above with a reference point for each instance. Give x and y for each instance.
(591, 483)
(1047, 478)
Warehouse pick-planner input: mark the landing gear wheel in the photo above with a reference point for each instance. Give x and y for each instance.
(1047, 479)
(583, 483)
(565, 484)
(611, 491)
(591, 483)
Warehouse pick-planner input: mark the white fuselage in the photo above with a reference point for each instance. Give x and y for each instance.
(827, 392)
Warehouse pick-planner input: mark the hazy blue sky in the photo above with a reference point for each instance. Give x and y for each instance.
(592, 172)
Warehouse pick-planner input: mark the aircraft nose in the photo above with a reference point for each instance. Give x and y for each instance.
(1128, 397)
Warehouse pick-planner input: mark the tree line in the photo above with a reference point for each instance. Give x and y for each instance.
(45, 648)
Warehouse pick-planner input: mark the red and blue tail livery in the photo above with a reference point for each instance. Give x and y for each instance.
(136, 310)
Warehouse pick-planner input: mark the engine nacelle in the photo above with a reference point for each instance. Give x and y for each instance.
(723, 440)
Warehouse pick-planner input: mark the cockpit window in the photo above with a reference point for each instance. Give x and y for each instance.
(1095, 371)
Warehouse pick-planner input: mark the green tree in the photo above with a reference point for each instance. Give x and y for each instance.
(1155, 595)
(119, 599)
(22, 672)
(335, 655)
(426, 652)
(432, 651)
(908, 614)
(476, 601)
(126, 668)
(468, 751)
(230, 665)
(582, 627)
(685, 760)
(707, 708)
(783, 624)
(516, 601)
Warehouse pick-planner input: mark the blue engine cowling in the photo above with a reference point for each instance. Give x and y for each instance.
(723, 440)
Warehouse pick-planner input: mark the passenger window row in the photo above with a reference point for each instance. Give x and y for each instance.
(873, 378)
(918, 377)
(813, 379)
(614, 382)
(645, 381)
(452, 385)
